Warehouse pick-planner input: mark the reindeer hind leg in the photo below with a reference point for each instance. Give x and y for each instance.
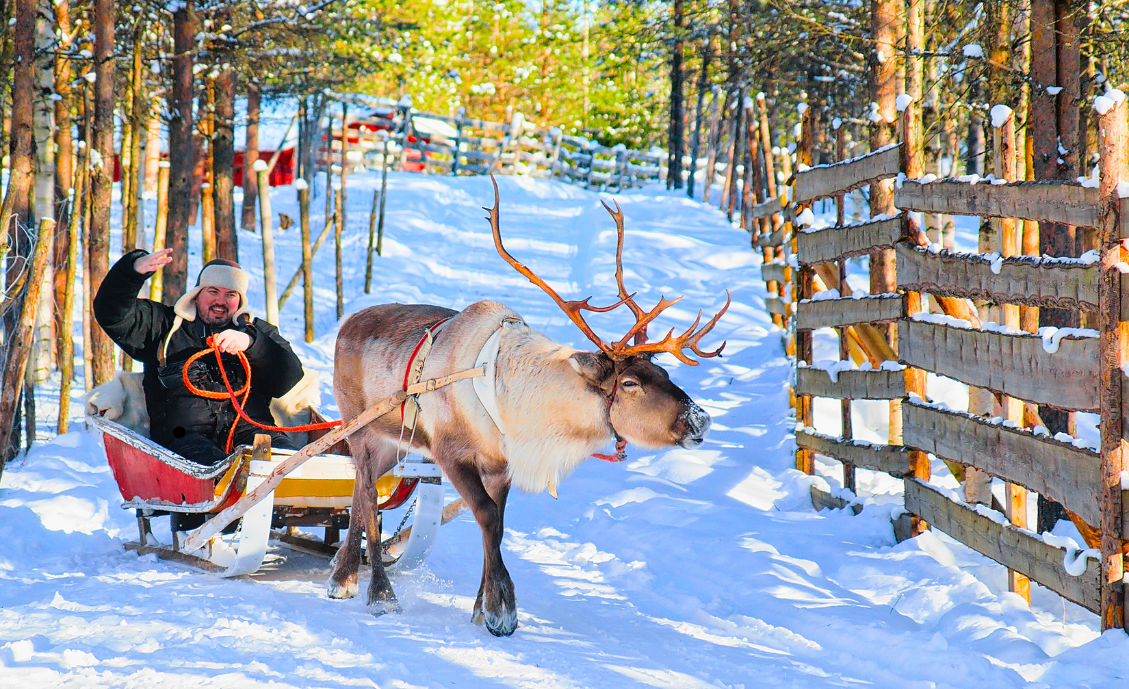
(373, 457)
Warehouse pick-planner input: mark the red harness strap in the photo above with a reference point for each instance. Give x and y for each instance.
(620, 444)
(412, 358)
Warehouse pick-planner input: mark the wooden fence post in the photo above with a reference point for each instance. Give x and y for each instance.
(344, 165)
(383, 199)
(338, 231)
(554, 160)
(406, 132)
(1003, 154)
(1113, 338)
(371, 242)
(157, 282)
(66, 354)
(913, 168)
(19, 346)
(804, 289)
(455, 157)
(267, 229)
(307, 256)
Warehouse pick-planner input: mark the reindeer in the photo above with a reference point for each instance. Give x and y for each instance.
(545, 409)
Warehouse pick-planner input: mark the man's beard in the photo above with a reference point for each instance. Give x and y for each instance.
(216, 321)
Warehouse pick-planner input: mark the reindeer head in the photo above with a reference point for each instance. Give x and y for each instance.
(644, 406)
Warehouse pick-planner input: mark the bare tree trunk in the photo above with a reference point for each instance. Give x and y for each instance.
(883, 74)
(66, 311)
(1067, 14)
(182, 153)
(208, 209)
(19, 345)
(713, 141)
(250, 155)
(88, 197)
(695, 143)
(675, 134)
(102, 178)
(16, 211)
(152, 147)
(223, 167)
(64, 172)
(131, 174)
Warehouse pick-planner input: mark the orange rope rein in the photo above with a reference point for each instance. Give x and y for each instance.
(234, 395)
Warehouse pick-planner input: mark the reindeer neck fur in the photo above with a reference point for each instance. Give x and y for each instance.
(554, 419)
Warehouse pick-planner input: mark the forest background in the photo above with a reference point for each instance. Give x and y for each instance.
(84, 82)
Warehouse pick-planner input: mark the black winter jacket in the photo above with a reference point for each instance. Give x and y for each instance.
(139, 327)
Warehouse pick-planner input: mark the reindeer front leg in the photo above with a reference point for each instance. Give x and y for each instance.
(496, 605)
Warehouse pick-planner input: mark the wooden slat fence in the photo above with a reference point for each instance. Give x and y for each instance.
(933, 326)
(460, 145)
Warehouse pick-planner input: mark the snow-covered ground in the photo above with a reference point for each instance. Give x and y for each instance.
(681, 568)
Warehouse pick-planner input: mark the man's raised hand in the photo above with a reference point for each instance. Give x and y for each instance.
(151, 263)
(231, 341)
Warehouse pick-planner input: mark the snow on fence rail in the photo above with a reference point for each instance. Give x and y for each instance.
(1067, 369)
(458, 145)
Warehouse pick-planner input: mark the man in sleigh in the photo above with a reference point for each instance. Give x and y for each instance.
(202, 428)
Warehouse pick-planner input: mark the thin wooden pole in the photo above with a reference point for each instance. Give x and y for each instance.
(914, 168)
(1003, 154)
(66, 354)
(383, 200)
(19, 346)
(804, 289)
(341, 196)
(157, 282)
(338, 231)
(307, 258)
(1113, 337)
(329, 225)
(371, 242)
(266, 224)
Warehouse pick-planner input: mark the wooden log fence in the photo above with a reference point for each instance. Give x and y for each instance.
(1072, 370)
(459, 145)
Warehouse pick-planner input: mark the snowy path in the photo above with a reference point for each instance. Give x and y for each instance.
(677, 569)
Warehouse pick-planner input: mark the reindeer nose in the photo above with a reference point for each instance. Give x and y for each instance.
(698, 425)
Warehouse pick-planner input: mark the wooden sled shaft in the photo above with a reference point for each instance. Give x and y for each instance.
(198, 538)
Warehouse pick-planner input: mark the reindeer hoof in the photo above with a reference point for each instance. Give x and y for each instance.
(502, 623)
(341, 591)
(382, 607)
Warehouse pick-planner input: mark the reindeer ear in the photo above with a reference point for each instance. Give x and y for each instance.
(592, 367)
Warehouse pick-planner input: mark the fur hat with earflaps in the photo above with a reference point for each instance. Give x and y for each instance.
(216, 273)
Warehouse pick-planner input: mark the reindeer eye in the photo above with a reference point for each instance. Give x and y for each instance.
(628, 383)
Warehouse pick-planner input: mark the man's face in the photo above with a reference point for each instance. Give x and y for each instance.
(215, 305)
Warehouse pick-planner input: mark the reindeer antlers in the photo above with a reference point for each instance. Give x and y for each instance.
(572, 309)
(619, 351)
